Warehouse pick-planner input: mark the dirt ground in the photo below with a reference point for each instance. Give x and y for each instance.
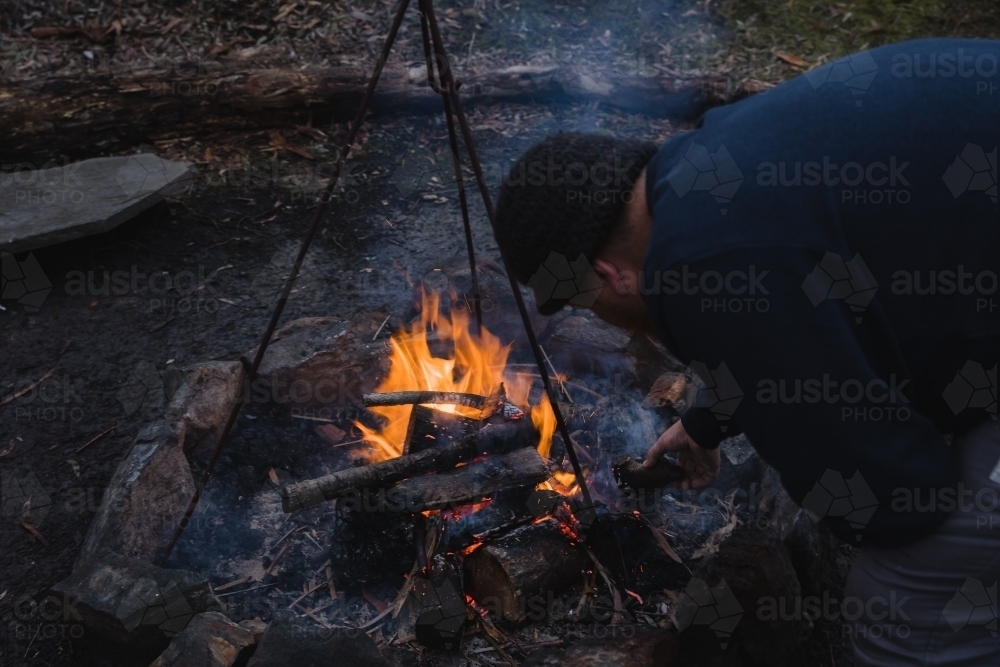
(200, 268)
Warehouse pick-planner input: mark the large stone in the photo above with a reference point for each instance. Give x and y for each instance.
(626, 645)
(47, 206)
(146, 498)
(322, 362)
(204, 400)
(132, 607)
(291, 641)
(209, 640)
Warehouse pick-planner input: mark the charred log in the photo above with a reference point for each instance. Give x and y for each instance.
(442, 613)
(505, 574)
(631, 474)
(509, 509)
(491, 439)
(470, 483)
(430, 428)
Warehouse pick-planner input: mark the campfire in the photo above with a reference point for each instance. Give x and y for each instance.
(463, 454)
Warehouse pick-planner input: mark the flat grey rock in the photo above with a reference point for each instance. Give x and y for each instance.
(46, 206)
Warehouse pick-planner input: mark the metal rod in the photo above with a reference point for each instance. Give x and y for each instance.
(448, 86)
(456, 161)
(290, 281)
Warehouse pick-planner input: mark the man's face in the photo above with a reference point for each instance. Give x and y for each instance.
(625, 311)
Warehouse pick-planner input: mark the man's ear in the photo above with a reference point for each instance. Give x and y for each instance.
(607, 272)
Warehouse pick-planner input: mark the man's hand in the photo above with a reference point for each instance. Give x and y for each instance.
(702, 465)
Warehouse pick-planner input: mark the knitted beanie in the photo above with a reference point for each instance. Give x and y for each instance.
(558, 206)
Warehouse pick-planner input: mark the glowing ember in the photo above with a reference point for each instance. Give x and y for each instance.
(476, 366)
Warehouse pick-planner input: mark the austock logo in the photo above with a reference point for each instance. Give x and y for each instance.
(849, 281)
(715, 607)
(974, 387)
(720, 392)
(835, 497)
(702, 171)
(23, 281)
(974, 605)
(974, 170)
(558, 279)
(856, 71)
(147, 604)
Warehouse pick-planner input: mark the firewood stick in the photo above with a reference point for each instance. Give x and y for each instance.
(493, 438)
(423, 397)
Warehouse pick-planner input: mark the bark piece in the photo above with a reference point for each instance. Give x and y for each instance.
(209, 640)
(493, 439)
(504, 575)
(470, 483)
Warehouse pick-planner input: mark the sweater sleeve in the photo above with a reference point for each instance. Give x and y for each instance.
(810, 372)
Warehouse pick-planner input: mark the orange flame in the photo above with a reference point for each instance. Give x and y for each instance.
(476, 366)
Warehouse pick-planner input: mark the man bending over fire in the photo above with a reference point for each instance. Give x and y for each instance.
(827, 252)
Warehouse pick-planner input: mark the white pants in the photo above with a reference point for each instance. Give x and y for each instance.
(934, 602)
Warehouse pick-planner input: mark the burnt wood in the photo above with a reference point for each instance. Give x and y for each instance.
(512, 575)
(631, 474)
(491, 439)
(469, 483)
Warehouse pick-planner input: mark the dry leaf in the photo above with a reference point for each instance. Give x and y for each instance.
(791, 59)
(8, 449)
(330, 433)
(170, 26)
(273, 476)
(667, 390)
(285, 11)
(34, 531)
(378, 604)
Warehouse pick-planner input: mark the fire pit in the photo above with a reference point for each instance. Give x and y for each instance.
(407, 490)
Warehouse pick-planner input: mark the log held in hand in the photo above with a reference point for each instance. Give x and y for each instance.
(491, 439)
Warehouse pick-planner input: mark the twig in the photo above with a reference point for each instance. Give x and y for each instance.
(562, 385)
(246, 590)
(232, 584)
(282, 539)
(30, 387)
(379, 330)
(307, 594)
(94, 439)
(274, 562)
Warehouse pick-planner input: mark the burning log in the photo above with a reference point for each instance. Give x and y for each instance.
(509, 509)
(432, 428)
(424, 397)
(492, 439)
(502, 576)
(470, 483)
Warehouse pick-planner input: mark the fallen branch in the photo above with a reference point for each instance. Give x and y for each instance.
(116, 109)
